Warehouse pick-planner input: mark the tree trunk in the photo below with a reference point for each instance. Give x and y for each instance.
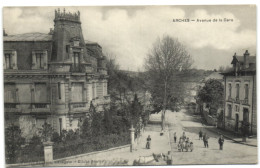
(163, 119)
(164, 105)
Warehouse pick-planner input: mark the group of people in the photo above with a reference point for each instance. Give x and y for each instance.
(184, 143)
(205, 139)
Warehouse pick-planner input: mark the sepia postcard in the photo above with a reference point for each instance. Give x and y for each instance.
(129, 85)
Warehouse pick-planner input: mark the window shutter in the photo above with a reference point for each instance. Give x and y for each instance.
(45, 59)
(14, 60)
(33, 60)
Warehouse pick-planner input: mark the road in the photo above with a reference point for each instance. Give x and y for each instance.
(233, 153)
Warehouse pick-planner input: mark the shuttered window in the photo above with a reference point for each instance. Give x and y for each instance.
(24, 93)
(10, 93)
(77, 91)
(40, 92)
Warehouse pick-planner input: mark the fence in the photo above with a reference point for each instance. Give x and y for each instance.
(80, 146)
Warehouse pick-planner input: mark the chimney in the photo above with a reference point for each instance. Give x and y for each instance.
(246, 59)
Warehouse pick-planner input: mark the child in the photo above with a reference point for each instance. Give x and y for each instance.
(179, 146)
(191, 146)
(187, 144)
(148, 143)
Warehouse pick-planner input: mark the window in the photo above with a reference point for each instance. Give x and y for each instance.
(75, 59)
(40, 93)
(246, 91)
(39, 61)
(237, 108)
(8, 61)
(60, 125)
(229, 90)
(229, 111)
(9, 92)
(93, 91)
(59, 90)
(237, 90)
(77, 92)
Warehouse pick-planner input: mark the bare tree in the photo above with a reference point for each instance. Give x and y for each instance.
(166, 58)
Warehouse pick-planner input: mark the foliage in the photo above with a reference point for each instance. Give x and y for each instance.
(72, 135)
(13, 142)
(245, 128)
(97, 124)
(212, 94)
(56, 138)
(35, 141)
(80, 146)
(46, 132)
(166, 58)
(220, 116)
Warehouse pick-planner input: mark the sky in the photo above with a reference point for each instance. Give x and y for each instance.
(128, 32)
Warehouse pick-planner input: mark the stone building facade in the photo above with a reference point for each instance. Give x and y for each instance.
(240, 94)
(53, 77)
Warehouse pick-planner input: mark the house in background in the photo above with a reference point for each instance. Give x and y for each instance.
(53, 77)
(240, 93)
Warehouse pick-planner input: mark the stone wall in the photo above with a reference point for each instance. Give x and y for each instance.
(89, 158)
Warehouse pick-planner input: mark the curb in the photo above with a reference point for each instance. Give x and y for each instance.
(231, 138)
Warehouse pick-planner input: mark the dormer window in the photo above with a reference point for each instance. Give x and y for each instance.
(75, 59)
(10, 60)
(39, 60)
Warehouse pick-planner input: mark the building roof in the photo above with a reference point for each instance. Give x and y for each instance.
(214, 75)
(29, 37)
(251, 59)
(90, 42)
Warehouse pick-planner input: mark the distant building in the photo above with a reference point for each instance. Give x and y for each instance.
(53, 77)
(215, 75)
(240, 93)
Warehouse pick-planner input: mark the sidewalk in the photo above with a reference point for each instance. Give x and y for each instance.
(159, 144)
(233, 137)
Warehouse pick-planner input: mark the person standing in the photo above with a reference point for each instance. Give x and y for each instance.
(148, 143)
(221, 142)
(205, 140)
(175, 137)
(200, 135)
